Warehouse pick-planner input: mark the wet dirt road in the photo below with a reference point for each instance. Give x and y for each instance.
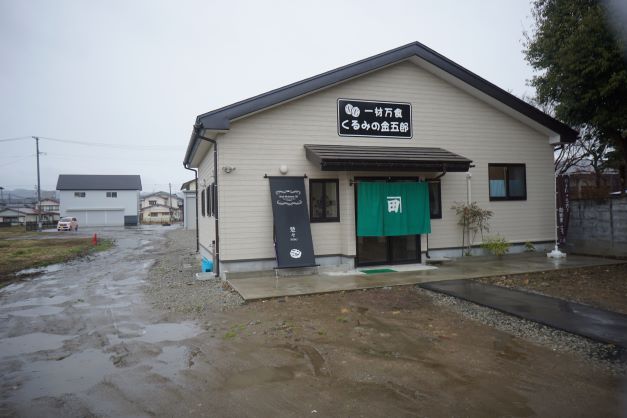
(84, 341)
(78, 339)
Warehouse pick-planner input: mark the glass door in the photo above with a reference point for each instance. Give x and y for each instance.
(382, 250)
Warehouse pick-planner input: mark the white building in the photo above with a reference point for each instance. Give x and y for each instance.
(408, 114)
(161, 207)
(100, 200)
(189, 206)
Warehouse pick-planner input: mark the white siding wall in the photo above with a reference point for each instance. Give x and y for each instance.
(97, 199)
(443, 116)
(206, 224)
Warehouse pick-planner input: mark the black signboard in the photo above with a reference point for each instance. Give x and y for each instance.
(563, 207)
(292, 232)
(373, 119)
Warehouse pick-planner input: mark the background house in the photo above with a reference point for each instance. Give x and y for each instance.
(189, 204)
(49, 209)
(100, 200)
(157, 207)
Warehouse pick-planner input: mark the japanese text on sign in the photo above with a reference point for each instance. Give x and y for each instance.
(375, 119)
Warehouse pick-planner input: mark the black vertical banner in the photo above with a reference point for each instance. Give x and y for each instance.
(563, 207)
(292, 232)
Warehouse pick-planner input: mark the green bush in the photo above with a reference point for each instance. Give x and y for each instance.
(496, 245)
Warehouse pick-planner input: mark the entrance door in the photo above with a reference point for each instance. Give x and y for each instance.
(404, 249)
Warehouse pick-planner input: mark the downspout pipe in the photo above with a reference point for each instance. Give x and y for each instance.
(216, 250)
(196, 211)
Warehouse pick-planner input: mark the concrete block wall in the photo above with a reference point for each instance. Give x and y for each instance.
(598, 227)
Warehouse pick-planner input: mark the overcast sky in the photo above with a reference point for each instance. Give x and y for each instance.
(137, 73)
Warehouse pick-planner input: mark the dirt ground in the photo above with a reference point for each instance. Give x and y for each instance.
(382, 352)
(124, 335)
(603, 287)
(392, 352)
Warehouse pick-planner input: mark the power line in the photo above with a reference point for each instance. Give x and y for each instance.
(108, 145)
(15, 139)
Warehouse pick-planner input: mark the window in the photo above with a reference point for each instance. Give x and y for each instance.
(152, 202)
(112, 194)
(153, 214)
(209, 200)
(79, 194)
(435, 199)
(507, 181)
(202, 202)
(324, 200)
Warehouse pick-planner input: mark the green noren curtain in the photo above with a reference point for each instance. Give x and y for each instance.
(392, 209)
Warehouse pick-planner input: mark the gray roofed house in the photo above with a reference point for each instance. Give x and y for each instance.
(100, 200)
(99, 182)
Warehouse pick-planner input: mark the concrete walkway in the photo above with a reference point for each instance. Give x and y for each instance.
(263, 287)
(597, 324)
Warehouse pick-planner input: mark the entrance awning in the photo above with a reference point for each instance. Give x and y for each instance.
(368, 158)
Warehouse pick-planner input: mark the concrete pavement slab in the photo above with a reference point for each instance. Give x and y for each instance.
(252, 287)
(597, 324)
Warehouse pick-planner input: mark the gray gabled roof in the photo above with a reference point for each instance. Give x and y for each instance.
(98, 182)
(220, 119)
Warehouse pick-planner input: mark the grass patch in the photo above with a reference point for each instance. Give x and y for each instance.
(23, 250)
(15, 231)
(234, 331)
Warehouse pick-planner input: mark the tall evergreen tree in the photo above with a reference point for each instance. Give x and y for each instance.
(579, 53)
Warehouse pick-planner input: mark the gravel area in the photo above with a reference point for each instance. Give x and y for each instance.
(605, 356)
(172, 284)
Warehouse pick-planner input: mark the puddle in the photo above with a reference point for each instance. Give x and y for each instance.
(74, 374)
(171, 361)
(39, 311)
(30, 343)
(54, 300)
(12, 287)
(48, 269)
(127, 282)
(168, 332)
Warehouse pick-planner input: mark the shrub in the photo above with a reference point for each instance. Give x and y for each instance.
(496, 245)
(473, 219)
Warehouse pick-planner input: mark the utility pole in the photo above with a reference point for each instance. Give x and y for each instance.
(38, 186)
(170, 185)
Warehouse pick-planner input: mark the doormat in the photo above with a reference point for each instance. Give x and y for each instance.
(377, 271)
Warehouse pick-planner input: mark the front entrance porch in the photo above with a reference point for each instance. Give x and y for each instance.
(264, 287)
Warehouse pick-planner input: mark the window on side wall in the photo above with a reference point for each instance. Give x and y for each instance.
(324, 200)
(79, 194)
(112, 194)
(435, 199)
(507, 181)
(209, 194)
(202, 202)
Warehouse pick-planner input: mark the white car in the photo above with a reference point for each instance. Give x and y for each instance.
(67, 224)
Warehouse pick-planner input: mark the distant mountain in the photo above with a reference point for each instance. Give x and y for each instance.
(25, 195)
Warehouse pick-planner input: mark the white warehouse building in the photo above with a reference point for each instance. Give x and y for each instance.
(100, 200)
